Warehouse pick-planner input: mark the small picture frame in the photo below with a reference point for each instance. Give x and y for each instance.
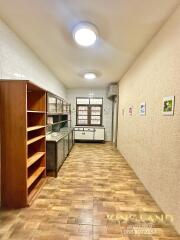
(142, 110)
(168, 105)
(130, 110)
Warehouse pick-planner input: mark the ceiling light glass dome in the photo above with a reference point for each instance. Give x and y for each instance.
(85, 34)
(90, 76)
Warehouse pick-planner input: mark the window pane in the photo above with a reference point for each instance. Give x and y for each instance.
(85, 122)
(96, 108)
(82, 117)
(82, 100)
(95, 122)
(94, 113)
(97, 101)
(82, 108)
(95, 117)
(84, 113)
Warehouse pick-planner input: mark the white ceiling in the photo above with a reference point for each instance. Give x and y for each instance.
(125, 27)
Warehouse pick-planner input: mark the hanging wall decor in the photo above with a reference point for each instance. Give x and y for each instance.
(142, 110)
(168, 105)
(130, 110)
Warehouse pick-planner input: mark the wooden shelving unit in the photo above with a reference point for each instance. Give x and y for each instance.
(23, 153)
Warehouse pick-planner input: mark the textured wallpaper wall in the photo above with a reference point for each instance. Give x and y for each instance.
(17, 61)
(107, 113)
(151, 143)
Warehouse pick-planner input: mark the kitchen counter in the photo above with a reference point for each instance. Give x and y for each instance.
(58, 147)
(89, 133)
(57, 136)
(89, 126)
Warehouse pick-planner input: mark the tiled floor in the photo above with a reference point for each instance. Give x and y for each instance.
(92, 198)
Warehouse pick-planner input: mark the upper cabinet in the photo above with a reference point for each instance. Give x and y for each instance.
(54, 104)
(66, 108)
(58, 113)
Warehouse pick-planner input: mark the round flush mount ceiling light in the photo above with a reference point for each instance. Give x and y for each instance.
(85, 34)
(90, 76)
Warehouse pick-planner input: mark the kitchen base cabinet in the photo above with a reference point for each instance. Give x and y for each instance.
(58, 147)
(66, 145)
(60, 155)
(99, 134)
(84, 135)
(71, 140)
(55, 156)
(89, 134)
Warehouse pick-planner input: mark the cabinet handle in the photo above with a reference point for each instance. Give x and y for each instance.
(83, 133)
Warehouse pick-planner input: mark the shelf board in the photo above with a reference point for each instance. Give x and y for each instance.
(34, 158)
(29, 111)
(35, 191)
(34, 176)
(35, 139)
(33, 128)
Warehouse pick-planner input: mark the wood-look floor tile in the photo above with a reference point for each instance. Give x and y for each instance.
(94, 187)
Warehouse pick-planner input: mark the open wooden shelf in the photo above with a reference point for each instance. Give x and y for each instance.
(23, 107)
(30, 141)
(34, 176)
(34, 158)
(33, 128)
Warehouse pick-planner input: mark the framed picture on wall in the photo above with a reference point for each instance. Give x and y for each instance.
(130, 110)
(142, 110)
(168, 105)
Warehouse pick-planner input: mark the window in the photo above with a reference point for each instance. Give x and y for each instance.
(89, 111)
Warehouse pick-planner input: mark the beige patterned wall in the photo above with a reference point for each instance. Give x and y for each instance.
(151, 143)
